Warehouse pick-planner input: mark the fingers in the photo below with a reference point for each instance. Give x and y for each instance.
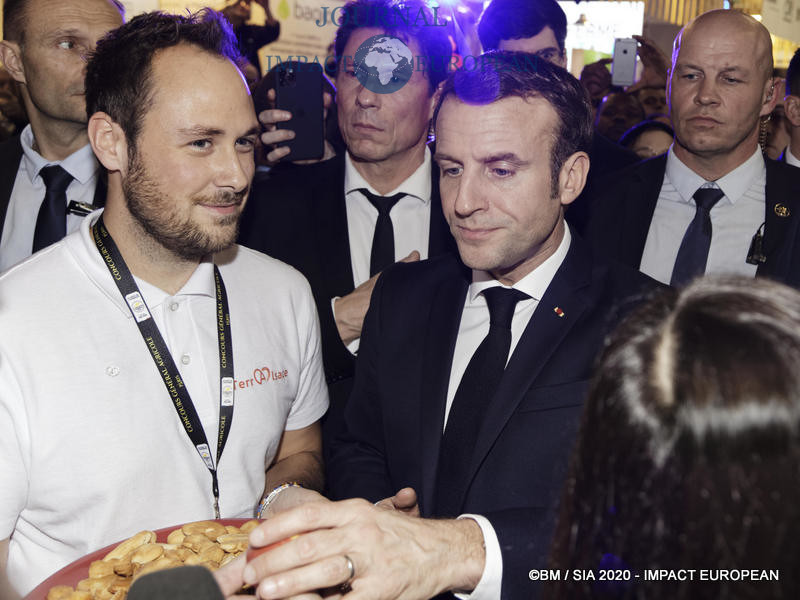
(308, 517)
(229, 578)
(327, 100)
(273, 135)
(326, 573)
(385, 504)
(313, 561)
(413, 257)
(300, 551)
(605, 61)
(277, 154)
(405, 498)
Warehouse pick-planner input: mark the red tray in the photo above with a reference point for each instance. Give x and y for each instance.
(74, 572)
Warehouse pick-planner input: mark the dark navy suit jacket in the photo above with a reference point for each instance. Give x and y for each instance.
(395, 417)
(10, 155)
(621, 216)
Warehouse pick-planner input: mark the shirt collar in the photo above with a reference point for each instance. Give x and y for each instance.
(791, 157)
(81, 164)
(535, 283)
(417, 185)
(733, 184)
(81, 244)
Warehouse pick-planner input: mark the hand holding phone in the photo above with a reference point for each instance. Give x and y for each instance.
(299, 92)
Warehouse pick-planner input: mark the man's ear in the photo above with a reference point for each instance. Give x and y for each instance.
(11, 57)
(434, 100)
(791, 106)
(108, 142)
(770, 96)
(572, 177)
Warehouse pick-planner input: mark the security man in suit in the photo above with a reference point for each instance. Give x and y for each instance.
(472, 372)
(343, 220)
(49, 178)
(713, 203)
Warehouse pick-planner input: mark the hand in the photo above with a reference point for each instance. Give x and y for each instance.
(289, 498)
(273, 135)
(404, 501)
(596, 78)
(393, 557)
(230, 581)
(349, 310)
(656, 65)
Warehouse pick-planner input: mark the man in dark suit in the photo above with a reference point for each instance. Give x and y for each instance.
(44, 48)
(791, 103)
(319, 218)
(713, 203)
(435, 407)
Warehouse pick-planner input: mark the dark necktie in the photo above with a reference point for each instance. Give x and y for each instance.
(475, 392)
(382, 254)
(693, 253)
(51, 224)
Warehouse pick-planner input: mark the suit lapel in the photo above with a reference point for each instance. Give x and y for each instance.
(639, 208)
(445, 316)
(542, 336)
(781, 218)
(329, 215)
(10, 156)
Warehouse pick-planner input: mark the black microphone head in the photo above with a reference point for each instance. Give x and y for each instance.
(180, 583)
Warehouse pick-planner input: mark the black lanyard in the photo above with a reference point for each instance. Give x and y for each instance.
(163, 358)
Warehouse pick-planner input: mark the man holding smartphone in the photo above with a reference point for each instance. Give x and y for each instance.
(322, 218)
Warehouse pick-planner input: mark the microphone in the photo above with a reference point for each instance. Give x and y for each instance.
(180, 583)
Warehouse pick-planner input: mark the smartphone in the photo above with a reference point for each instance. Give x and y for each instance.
(623, 66)
(299, 91)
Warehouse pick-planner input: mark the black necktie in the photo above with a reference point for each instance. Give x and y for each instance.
(51, 224)
(475, 392)
(382, 254)
(693, 253)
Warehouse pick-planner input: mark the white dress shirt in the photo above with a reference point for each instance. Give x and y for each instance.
(411, 216)
(473, 328)
(791, 157)
(734, 219)
(16, 242)
(411, 220)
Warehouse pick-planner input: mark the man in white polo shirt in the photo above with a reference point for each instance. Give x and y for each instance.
(151, 371)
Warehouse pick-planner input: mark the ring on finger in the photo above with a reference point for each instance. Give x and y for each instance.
(351, 570)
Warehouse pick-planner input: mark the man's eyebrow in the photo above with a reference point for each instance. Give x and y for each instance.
(69, 32)
(688, 66)
(441, 156)
(504, 157)
(254, 130)
(200, 131)
(733, 69)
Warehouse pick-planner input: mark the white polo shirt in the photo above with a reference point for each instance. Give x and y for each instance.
(91, 447)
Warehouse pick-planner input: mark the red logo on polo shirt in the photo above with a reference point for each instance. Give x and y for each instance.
(262, 376)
